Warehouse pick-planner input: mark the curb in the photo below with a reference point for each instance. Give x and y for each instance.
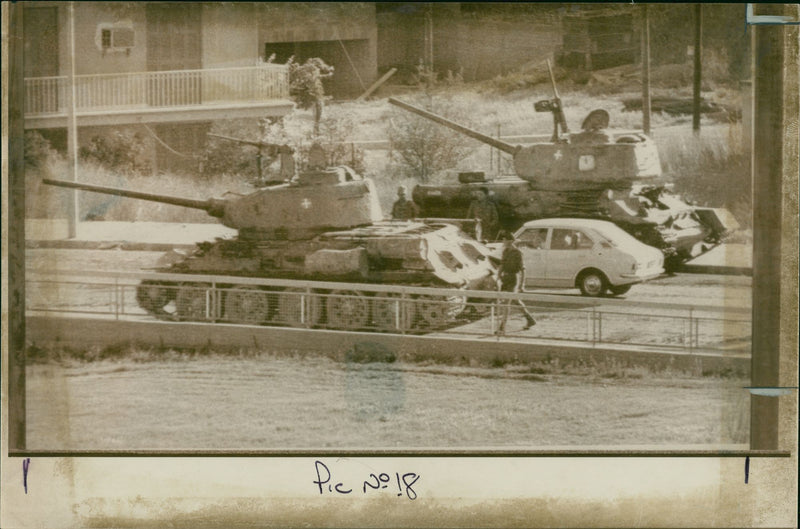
(71, 244)
(716, 269)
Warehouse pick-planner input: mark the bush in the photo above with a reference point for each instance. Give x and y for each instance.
(335, 134)
(423, 147)
(226, 157)
(120, 150)
(528, 76)
(45, 201)
(712, 170)
(37, 150)
(428, 80)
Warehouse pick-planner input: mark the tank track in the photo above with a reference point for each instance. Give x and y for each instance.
(350, 310)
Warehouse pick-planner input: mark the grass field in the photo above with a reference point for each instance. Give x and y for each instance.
(259, 400)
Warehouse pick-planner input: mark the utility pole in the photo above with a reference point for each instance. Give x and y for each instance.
(698, 52)
(645, 70)
(72, 129)
(429, 35)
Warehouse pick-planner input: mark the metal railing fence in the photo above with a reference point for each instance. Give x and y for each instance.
(388, 308)
(177, 88)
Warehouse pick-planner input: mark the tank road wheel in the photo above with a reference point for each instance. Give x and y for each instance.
(190, 301)
(289, 308)
(620, 290)
(435, 312)
(247, 305)
(592, 283)
(384, 312)
(152, 297)
(347, 309)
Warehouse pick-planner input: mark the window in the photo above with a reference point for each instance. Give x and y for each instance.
(112, 38)
(583, 242)
(570, 240)
(533, 238)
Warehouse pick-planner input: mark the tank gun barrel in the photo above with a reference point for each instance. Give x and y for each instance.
(494, 142)
(259, 144)
(206, 205)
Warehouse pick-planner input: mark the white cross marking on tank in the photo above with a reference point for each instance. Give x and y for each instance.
(306, 203)
(558, 155)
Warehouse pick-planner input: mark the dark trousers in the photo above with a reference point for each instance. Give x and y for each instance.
(508, 286)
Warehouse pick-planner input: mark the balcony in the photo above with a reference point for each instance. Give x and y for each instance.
(159, 97)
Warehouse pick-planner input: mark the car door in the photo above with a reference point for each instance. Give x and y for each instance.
(532, 242)
(570, 251)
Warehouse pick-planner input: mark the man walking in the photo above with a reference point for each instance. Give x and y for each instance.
(511, 277)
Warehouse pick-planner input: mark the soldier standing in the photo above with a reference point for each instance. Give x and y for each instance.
(485, 214)
(404, 209)
(511, 277)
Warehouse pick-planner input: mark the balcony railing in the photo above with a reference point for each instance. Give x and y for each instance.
(180, 88)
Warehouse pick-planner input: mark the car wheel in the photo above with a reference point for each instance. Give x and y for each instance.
(592, 283)
(620, 289)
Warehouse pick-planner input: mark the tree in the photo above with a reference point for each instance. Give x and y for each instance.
(305, 85)
(425, 147)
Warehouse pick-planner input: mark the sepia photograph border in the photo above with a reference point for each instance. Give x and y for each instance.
(773, 444)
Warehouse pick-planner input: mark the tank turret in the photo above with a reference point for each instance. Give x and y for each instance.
(311, 203)
(326, 225)
(588, 160)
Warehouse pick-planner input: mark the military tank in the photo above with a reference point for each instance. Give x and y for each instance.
(324, 225)
(595, 173)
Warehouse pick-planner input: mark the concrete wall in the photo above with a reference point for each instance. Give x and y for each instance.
(230, 35)
(319, 30)
(482, 46)
(490, 48)
(89, 56)
(315, 21)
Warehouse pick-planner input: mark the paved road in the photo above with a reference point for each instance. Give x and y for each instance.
(690, 289)
(622, 323)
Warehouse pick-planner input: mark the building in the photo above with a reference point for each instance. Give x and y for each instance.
(476, 40)
(597, 37)
(171, 69)
(343, 34)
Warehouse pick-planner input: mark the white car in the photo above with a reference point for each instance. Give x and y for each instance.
(595, 256)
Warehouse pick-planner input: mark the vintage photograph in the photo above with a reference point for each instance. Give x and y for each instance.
(387, 226)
